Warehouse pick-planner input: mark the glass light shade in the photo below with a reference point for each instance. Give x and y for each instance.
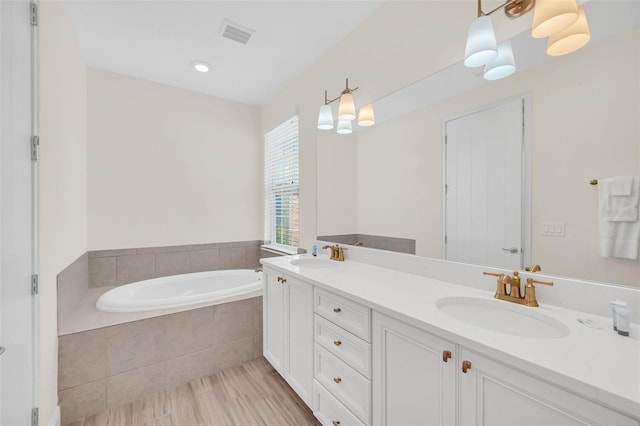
(481, 43)
(346, 109)
(325, 118)
(344, 127)
(552, 16)
(503, 65)
(366, 116)
(571, 39)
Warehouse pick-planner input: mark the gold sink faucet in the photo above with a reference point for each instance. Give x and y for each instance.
(337, 252)
(529, 298)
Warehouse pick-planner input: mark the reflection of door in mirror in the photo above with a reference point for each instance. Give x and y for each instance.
(483, 186)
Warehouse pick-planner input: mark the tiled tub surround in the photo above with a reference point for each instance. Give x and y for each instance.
(400, 245)
(95, 272)
(106, 367)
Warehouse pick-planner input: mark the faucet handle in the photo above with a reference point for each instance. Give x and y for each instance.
(530, 291)
(494, 274)
(531, 281)
(534, 268)
(501, 287)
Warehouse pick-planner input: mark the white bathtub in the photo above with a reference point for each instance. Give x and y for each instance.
(181, 290)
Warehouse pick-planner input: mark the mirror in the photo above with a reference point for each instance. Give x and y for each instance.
(584, 115)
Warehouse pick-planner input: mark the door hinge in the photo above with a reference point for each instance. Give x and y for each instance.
(34, 284)
(445, 239)
(34, 14)
(446, 139)
(35, 147)
(34, 416)
(446, 189)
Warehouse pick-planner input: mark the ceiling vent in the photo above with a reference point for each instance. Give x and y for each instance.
(236, 32)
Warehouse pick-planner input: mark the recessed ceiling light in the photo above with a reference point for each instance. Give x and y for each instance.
(200, 66)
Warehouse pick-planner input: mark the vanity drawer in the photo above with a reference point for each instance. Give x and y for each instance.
(349, 348)
(347, 314)
(345, 383)
(329, 410)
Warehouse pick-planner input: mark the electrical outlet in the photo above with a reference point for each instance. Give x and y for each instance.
(552, 229)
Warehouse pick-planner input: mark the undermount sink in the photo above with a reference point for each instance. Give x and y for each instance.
(313, 262)
(503, 317)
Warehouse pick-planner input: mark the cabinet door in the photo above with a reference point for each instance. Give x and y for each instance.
(273, 319)
(494, 394)
(299, 337)
(412, 383)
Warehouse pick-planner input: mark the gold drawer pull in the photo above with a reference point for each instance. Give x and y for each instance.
(337, 342)
(446, 355)
(337, 379)
(336, 423)
(466, 366)
(337, 310)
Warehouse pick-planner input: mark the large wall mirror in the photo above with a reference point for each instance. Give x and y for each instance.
(383, 186)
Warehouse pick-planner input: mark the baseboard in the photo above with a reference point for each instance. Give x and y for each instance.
(55, 417)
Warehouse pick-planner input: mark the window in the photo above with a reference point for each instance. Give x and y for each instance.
(281, 187)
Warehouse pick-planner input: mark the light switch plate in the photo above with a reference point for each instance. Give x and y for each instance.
(552, 229)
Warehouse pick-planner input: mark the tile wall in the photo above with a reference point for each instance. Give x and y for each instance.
(400, 245)
(110, 366)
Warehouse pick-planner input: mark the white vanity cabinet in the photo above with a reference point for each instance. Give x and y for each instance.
(288, 329)
(342, 360)
(493, 393)
(415, 375)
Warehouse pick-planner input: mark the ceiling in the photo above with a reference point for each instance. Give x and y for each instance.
(157, 40)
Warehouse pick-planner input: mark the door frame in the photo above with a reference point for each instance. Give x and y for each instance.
(526, 170)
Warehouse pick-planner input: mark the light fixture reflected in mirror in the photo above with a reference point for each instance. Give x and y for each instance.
(346, 112)
(503, 65)
(344, 127)
(561, 20)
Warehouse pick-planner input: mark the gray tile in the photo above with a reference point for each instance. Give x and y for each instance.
(188, 332)
(233, 258)
(234, 321)
(84, 400)
(172, 263)
(191, 247)
(204, 260)
(190, 367)
(258, 344)
(234, 353)
(73, 283)
(268, 253)
(147, 250)
(81, 358)
(102, 271)
(135, 344)
(134, 268)
(132, 385)
(117, 252)
(257, 319)
(253, 257)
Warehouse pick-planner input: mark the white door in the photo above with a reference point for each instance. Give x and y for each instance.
(16, 216)
(273, 319)
(483, 186)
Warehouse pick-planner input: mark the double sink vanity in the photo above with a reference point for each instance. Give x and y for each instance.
(363, 344)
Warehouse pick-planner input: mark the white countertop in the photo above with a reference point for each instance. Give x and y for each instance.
(595, 363)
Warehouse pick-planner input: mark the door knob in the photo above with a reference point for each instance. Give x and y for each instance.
(2, 350)
(513, 250)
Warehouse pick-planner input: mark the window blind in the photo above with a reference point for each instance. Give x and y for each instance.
(281, 187)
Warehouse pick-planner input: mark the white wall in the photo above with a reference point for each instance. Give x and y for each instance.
(580, 131)
(63, 178)
(168, 166)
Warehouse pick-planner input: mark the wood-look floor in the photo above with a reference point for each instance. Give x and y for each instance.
(251, 394)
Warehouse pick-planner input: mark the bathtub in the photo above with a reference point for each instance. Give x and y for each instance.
(181, 290)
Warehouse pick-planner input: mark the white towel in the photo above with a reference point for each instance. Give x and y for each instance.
(621, 185)
(619, 232)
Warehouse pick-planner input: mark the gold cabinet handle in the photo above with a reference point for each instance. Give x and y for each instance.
(336, 423)
(337, 342)
(337, 310)
(337, 379)
(466, 366)
(446, 356)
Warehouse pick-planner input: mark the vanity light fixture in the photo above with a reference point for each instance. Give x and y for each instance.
(200, 66)
(346, 112)
(561, 20)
